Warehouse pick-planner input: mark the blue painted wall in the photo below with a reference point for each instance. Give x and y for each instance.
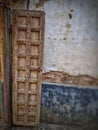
(64, 104)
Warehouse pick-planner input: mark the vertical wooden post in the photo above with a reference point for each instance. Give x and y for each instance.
(5, 54)
(1, 43)
(1, 60)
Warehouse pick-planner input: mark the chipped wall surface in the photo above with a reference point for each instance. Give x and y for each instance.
(63, 104)
(64, 78)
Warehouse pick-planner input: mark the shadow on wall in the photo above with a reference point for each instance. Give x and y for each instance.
(69, 105)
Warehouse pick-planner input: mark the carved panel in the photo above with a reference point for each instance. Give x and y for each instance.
(27, 63)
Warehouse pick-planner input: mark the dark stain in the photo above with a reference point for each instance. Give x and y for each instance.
(70, 16)
(64, 38)
(54, 65)
(71, 10)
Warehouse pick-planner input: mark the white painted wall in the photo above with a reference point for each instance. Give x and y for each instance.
(71, 45)
(78, 54)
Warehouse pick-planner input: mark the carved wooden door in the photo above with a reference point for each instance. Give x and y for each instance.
(28, 33)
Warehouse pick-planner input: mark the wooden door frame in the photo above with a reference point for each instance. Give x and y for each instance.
(6, 13)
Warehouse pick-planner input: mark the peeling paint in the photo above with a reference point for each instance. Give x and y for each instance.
(65, 78)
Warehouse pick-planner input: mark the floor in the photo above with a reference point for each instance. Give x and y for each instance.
(53, 127)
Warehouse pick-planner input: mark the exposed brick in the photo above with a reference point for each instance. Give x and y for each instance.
(53, 76)
(87, 80)
(60, 77)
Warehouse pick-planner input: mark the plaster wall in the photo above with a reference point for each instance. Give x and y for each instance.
(71, 42)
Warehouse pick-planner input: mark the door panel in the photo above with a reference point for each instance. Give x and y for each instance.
(28, 38)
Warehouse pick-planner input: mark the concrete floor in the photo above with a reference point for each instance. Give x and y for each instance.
(54, 127)
(44, 126)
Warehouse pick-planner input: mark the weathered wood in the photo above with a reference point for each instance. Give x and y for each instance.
(5, 61)
(28, 28)
(1, 43)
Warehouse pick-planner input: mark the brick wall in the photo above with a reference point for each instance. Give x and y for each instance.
(60, 77)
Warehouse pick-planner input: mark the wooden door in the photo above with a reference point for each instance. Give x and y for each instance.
(28, 33)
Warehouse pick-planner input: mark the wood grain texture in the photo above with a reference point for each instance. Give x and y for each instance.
(1, 43)
(28, 32)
